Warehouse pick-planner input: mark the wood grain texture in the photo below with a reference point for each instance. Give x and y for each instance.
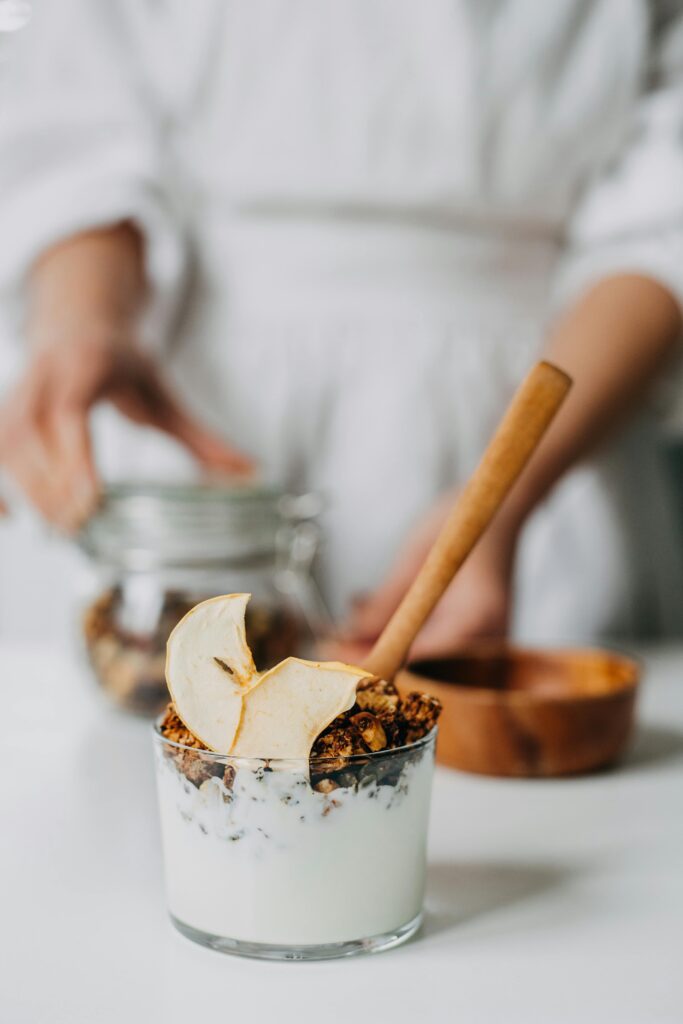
(530, 713)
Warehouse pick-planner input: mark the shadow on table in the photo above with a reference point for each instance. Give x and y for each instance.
(651, 746)
(460, 892)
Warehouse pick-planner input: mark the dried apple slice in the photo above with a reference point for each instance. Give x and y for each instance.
(291, 705)
(209, 668)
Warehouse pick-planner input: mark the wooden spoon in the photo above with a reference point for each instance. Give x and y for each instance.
(529, 415)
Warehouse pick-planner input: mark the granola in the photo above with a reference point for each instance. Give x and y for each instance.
(379, 720)
(370, 728)
(379, 697)
(421, 713)
(175, 730)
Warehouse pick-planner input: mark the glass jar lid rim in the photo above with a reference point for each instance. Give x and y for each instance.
(141, 524)
(212, 491)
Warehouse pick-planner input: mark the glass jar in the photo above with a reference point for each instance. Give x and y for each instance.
(160, 549)
(295, 859)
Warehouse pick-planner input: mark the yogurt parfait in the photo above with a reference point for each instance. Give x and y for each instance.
(294, 803)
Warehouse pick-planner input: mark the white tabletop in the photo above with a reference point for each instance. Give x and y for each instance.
(548, 902)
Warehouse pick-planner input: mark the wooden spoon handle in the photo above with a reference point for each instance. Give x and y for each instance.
(529, 415)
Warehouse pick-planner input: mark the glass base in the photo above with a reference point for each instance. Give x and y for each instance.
(324, 951)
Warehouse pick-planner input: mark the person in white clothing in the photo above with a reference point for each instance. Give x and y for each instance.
(327, 240)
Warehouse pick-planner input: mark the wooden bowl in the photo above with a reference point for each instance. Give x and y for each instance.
(523, 712)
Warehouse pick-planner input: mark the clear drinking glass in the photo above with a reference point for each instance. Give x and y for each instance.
(295, 860)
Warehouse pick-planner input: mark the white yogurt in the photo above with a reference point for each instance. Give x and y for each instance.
(274, 862)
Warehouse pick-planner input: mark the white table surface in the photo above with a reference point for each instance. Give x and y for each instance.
(548, 902)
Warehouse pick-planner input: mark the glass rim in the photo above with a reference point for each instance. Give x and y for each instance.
(316, 760)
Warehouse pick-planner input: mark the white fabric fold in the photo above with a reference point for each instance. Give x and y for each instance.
(629, 218)
(82, 147)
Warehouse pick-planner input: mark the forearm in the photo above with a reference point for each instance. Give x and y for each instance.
(94, 280)
(613, 343)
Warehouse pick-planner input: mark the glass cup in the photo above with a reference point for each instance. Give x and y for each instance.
(295, 859)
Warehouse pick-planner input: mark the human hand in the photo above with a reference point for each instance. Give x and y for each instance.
(476, 606)
(45, 442)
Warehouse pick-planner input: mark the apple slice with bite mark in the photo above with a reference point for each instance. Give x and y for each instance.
(225, 703)
(291, 705)
(209, 668)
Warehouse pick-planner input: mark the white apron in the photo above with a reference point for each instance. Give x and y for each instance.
(348, 363)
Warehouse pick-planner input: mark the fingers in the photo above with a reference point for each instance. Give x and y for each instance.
(49, 457)
(475, 607)
(370, 614)
(77, 477)
(474, 610)
(44, 429)
(147, 399)
(213, 452)
(30, 464)
(445, 633)
(435, 641)
(351, 652)
(438, 640)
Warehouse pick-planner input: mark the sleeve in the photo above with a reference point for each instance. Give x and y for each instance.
(630, 217)
(81, 145)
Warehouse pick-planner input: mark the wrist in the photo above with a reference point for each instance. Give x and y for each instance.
(88, 285)
(73, 332)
